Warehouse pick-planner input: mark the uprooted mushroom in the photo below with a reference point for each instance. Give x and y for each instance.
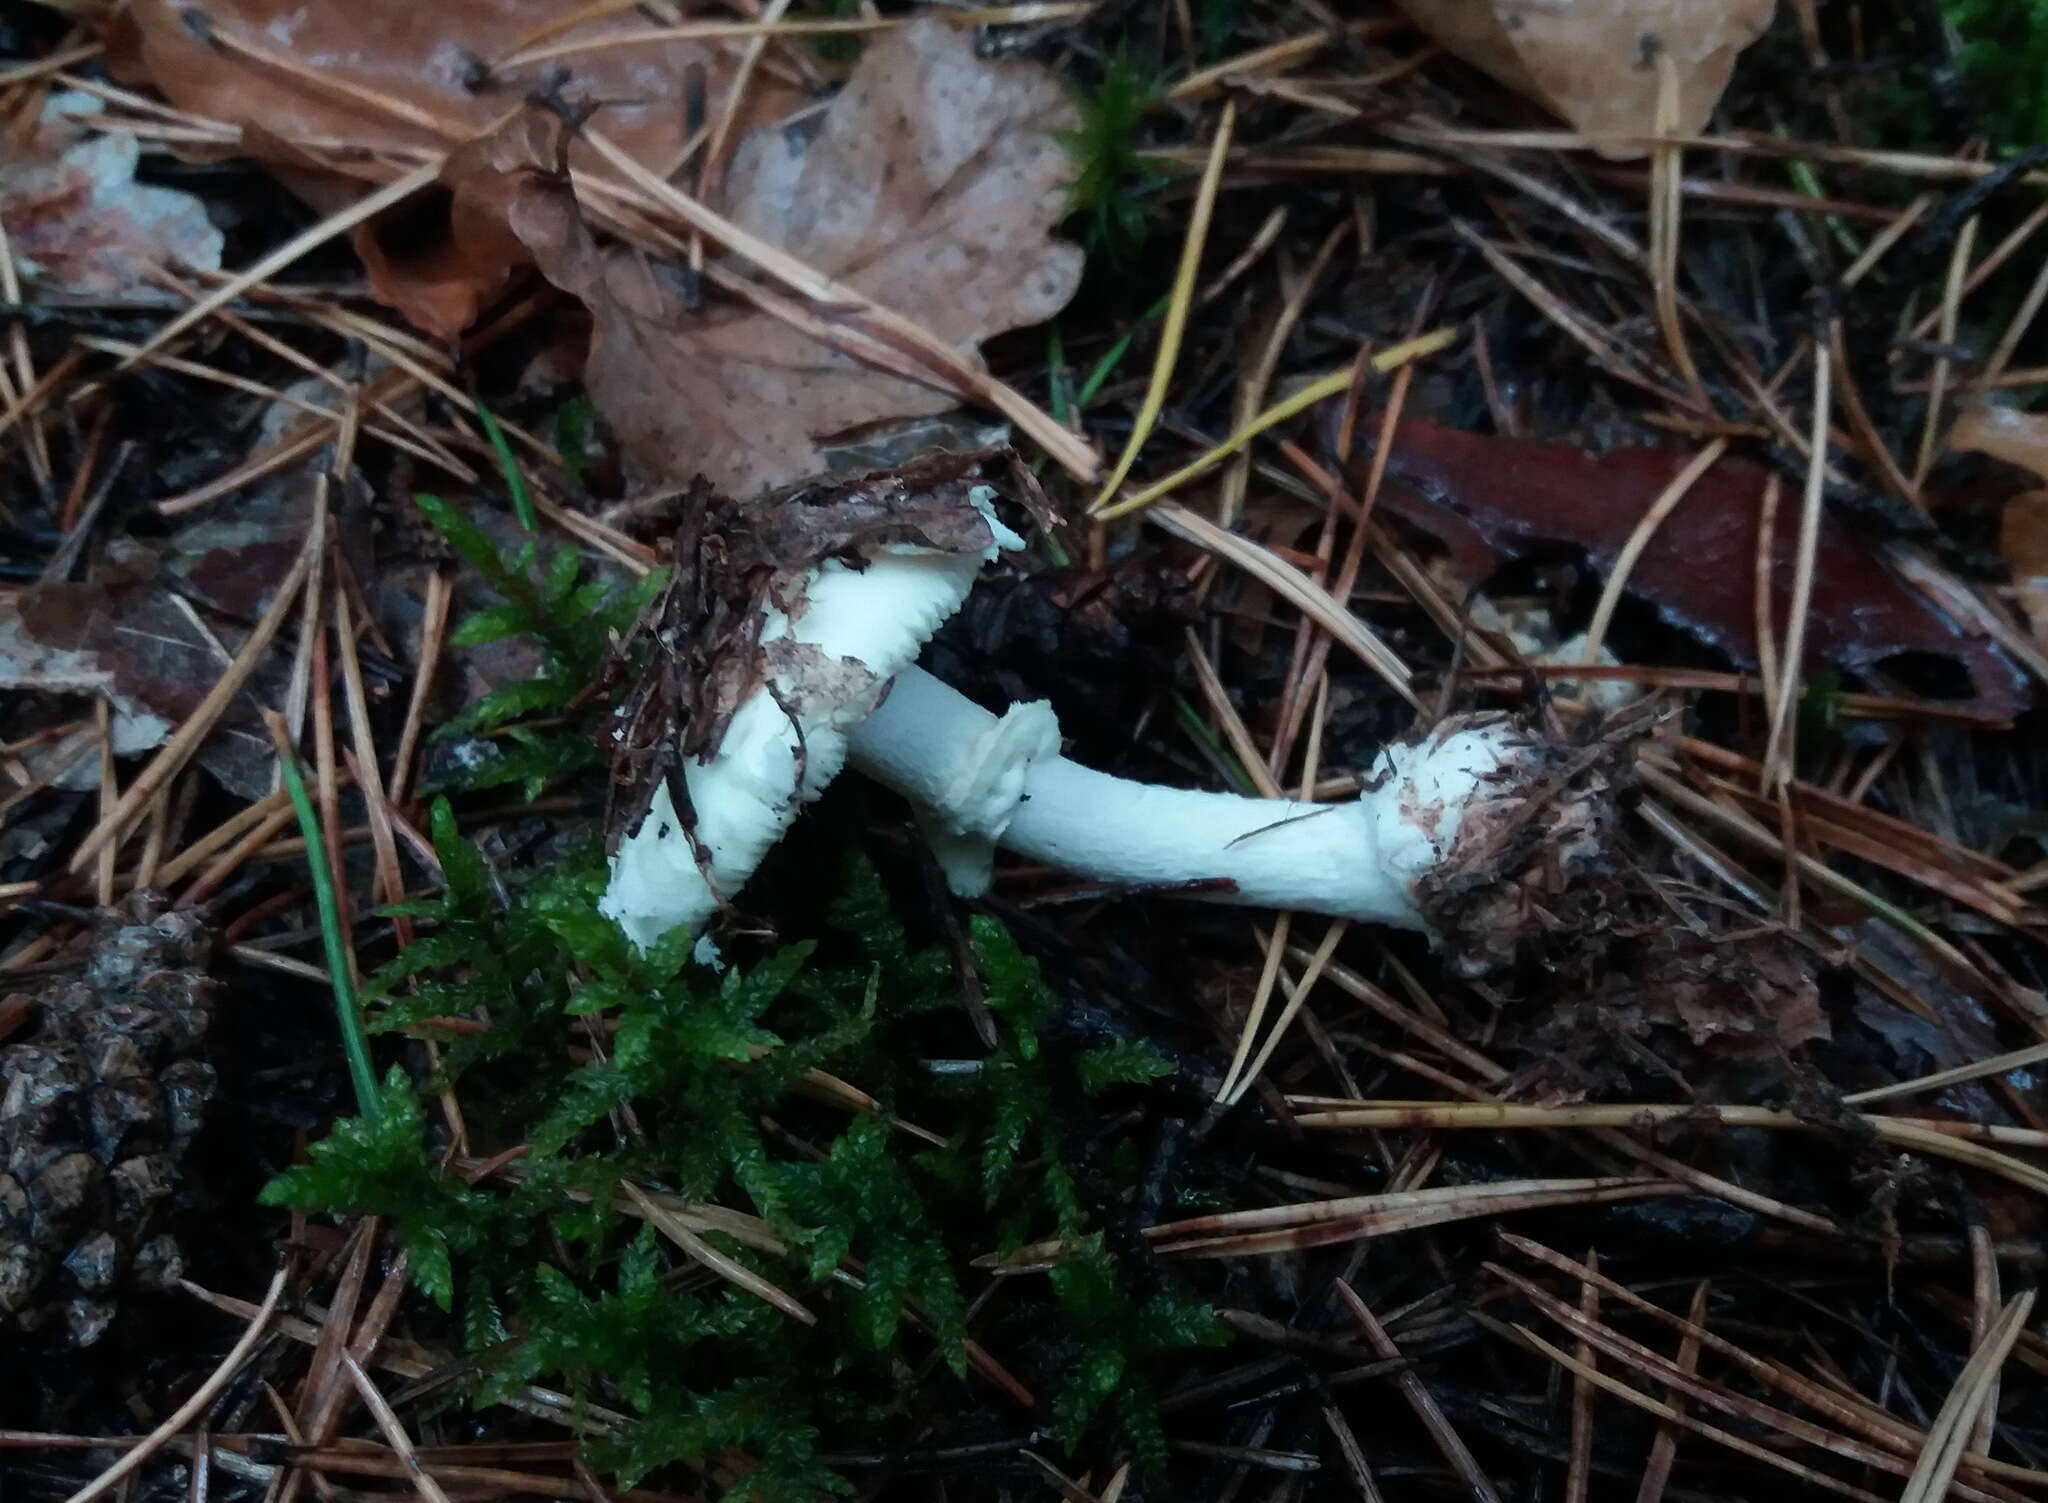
(786, 648)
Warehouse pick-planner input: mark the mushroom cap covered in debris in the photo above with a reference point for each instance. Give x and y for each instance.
(781, 631)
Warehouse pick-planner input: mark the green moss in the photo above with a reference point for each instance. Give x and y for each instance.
(571, 619)
(1109, 194)
(606, 1067)
(2005, 55)
(546, 1281)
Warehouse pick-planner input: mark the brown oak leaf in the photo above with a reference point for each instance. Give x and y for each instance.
(1596, 62)
(931, 184)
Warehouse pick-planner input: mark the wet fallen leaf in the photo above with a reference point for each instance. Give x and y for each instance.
(1595, 62)
(931, 184)
(1491, 499)
(77, 218)
(152, 631)
(392, 76)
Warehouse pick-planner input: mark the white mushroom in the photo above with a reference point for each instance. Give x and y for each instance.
(840, 682)
(828, 662)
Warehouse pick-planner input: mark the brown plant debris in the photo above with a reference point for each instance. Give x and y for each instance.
(2017, 438)
(1596, 62)
(930, 185)
(329, 95)
(734, 563)
(2023, 539)
(1703, 1001)
(1519, 870)
(150, 634)
(76, 217)
(1491, 499)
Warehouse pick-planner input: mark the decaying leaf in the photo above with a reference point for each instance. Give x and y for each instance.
(1490, 499)
(399, 77)
(1595, 62)
(931, 185)
(152, 631)
(77, 218)
(1690, 1002)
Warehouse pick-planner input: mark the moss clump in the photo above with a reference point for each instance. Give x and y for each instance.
(534, 731)
(615, 1068)
(2005, 58)
(1108, 195)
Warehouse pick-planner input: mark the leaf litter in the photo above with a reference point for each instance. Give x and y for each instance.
(2018, 438)
(151, 627)
(387, 81)
(1489, 499)
(1597, 62)
(76, 217)
(1699, 992)
(930, 183)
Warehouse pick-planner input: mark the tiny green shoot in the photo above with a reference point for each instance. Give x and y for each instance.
(1110, 172)
(347, 1010)
(515, 478)
(1226, 759)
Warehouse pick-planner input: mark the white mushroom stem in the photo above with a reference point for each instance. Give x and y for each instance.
(1356, 860)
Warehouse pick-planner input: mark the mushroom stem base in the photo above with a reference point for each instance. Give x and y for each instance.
(1370, 859)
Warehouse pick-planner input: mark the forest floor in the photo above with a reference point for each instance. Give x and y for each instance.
(367, 376)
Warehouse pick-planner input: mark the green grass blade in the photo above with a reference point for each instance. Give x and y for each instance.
(515, 478)
(347, 1009)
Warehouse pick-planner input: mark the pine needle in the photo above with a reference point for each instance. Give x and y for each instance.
(1320, 389)
(1176, 310)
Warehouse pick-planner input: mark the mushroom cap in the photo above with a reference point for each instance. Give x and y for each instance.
(831, 637)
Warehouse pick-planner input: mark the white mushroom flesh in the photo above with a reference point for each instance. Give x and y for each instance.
(1358, 860)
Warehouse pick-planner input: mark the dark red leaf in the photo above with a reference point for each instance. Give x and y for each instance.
(1489, 500)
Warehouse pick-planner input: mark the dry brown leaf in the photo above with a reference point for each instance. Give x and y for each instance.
(396, 76)
(2018, 438)
(931, 184)
(1594, 62)
(2023, 538)
(76, 217)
